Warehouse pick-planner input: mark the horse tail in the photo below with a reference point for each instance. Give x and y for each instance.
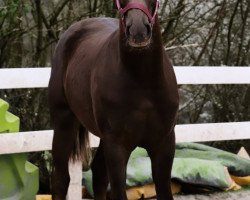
(81, 147)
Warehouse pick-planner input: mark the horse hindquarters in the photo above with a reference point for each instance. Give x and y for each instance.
(69, 141)
(64, 128)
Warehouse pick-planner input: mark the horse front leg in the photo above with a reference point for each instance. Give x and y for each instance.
(116, 156)
(63, 141)
(162, 156)
(100, 176)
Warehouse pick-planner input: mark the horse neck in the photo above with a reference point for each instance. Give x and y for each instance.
(144, 63)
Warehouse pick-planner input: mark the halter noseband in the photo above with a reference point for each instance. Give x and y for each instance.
(141, 7)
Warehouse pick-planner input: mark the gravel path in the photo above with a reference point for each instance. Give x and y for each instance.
(238, 195)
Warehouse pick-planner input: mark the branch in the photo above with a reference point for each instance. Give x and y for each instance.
(182, 46)
(190, 25)
(57, 12)
(229, 33)
(39, 40)
(211, 61)
(163, 7)
(48, 26)
(210, 35)
(173, 16)
(246, 53)
(242, 34)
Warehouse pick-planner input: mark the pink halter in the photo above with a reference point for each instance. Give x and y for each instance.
(141, 7)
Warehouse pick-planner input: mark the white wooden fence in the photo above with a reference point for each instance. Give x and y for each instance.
(42, 140)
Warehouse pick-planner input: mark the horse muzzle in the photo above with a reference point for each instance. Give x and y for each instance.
(137, 21)
(138, 29)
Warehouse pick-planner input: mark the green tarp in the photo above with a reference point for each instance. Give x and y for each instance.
(194, 164)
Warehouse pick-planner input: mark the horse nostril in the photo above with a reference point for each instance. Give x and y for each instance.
(149, 29)
(128, 25)
(128, 30)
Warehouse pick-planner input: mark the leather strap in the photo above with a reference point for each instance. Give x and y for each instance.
(141, 7)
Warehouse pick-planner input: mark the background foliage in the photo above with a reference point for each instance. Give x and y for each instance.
(195, 32)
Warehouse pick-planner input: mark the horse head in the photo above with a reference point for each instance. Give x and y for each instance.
(138, 18)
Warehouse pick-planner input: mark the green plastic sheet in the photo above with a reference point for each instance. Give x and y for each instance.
(19, 179)
(194, 164)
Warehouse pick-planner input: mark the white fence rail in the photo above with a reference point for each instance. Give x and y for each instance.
(39, 77)
(42, 140)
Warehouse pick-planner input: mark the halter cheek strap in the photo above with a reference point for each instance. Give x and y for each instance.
(141, 7)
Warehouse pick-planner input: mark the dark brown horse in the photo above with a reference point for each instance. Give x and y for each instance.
(114, 79)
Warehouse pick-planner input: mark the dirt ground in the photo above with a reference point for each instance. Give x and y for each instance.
(237, 195)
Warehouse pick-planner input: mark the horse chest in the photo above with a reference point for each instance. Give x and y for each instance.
(137, 116)
(128, 107)
(142, 118)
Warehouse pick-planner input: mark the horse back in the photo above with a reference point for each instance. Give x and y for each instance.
(85, 35)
